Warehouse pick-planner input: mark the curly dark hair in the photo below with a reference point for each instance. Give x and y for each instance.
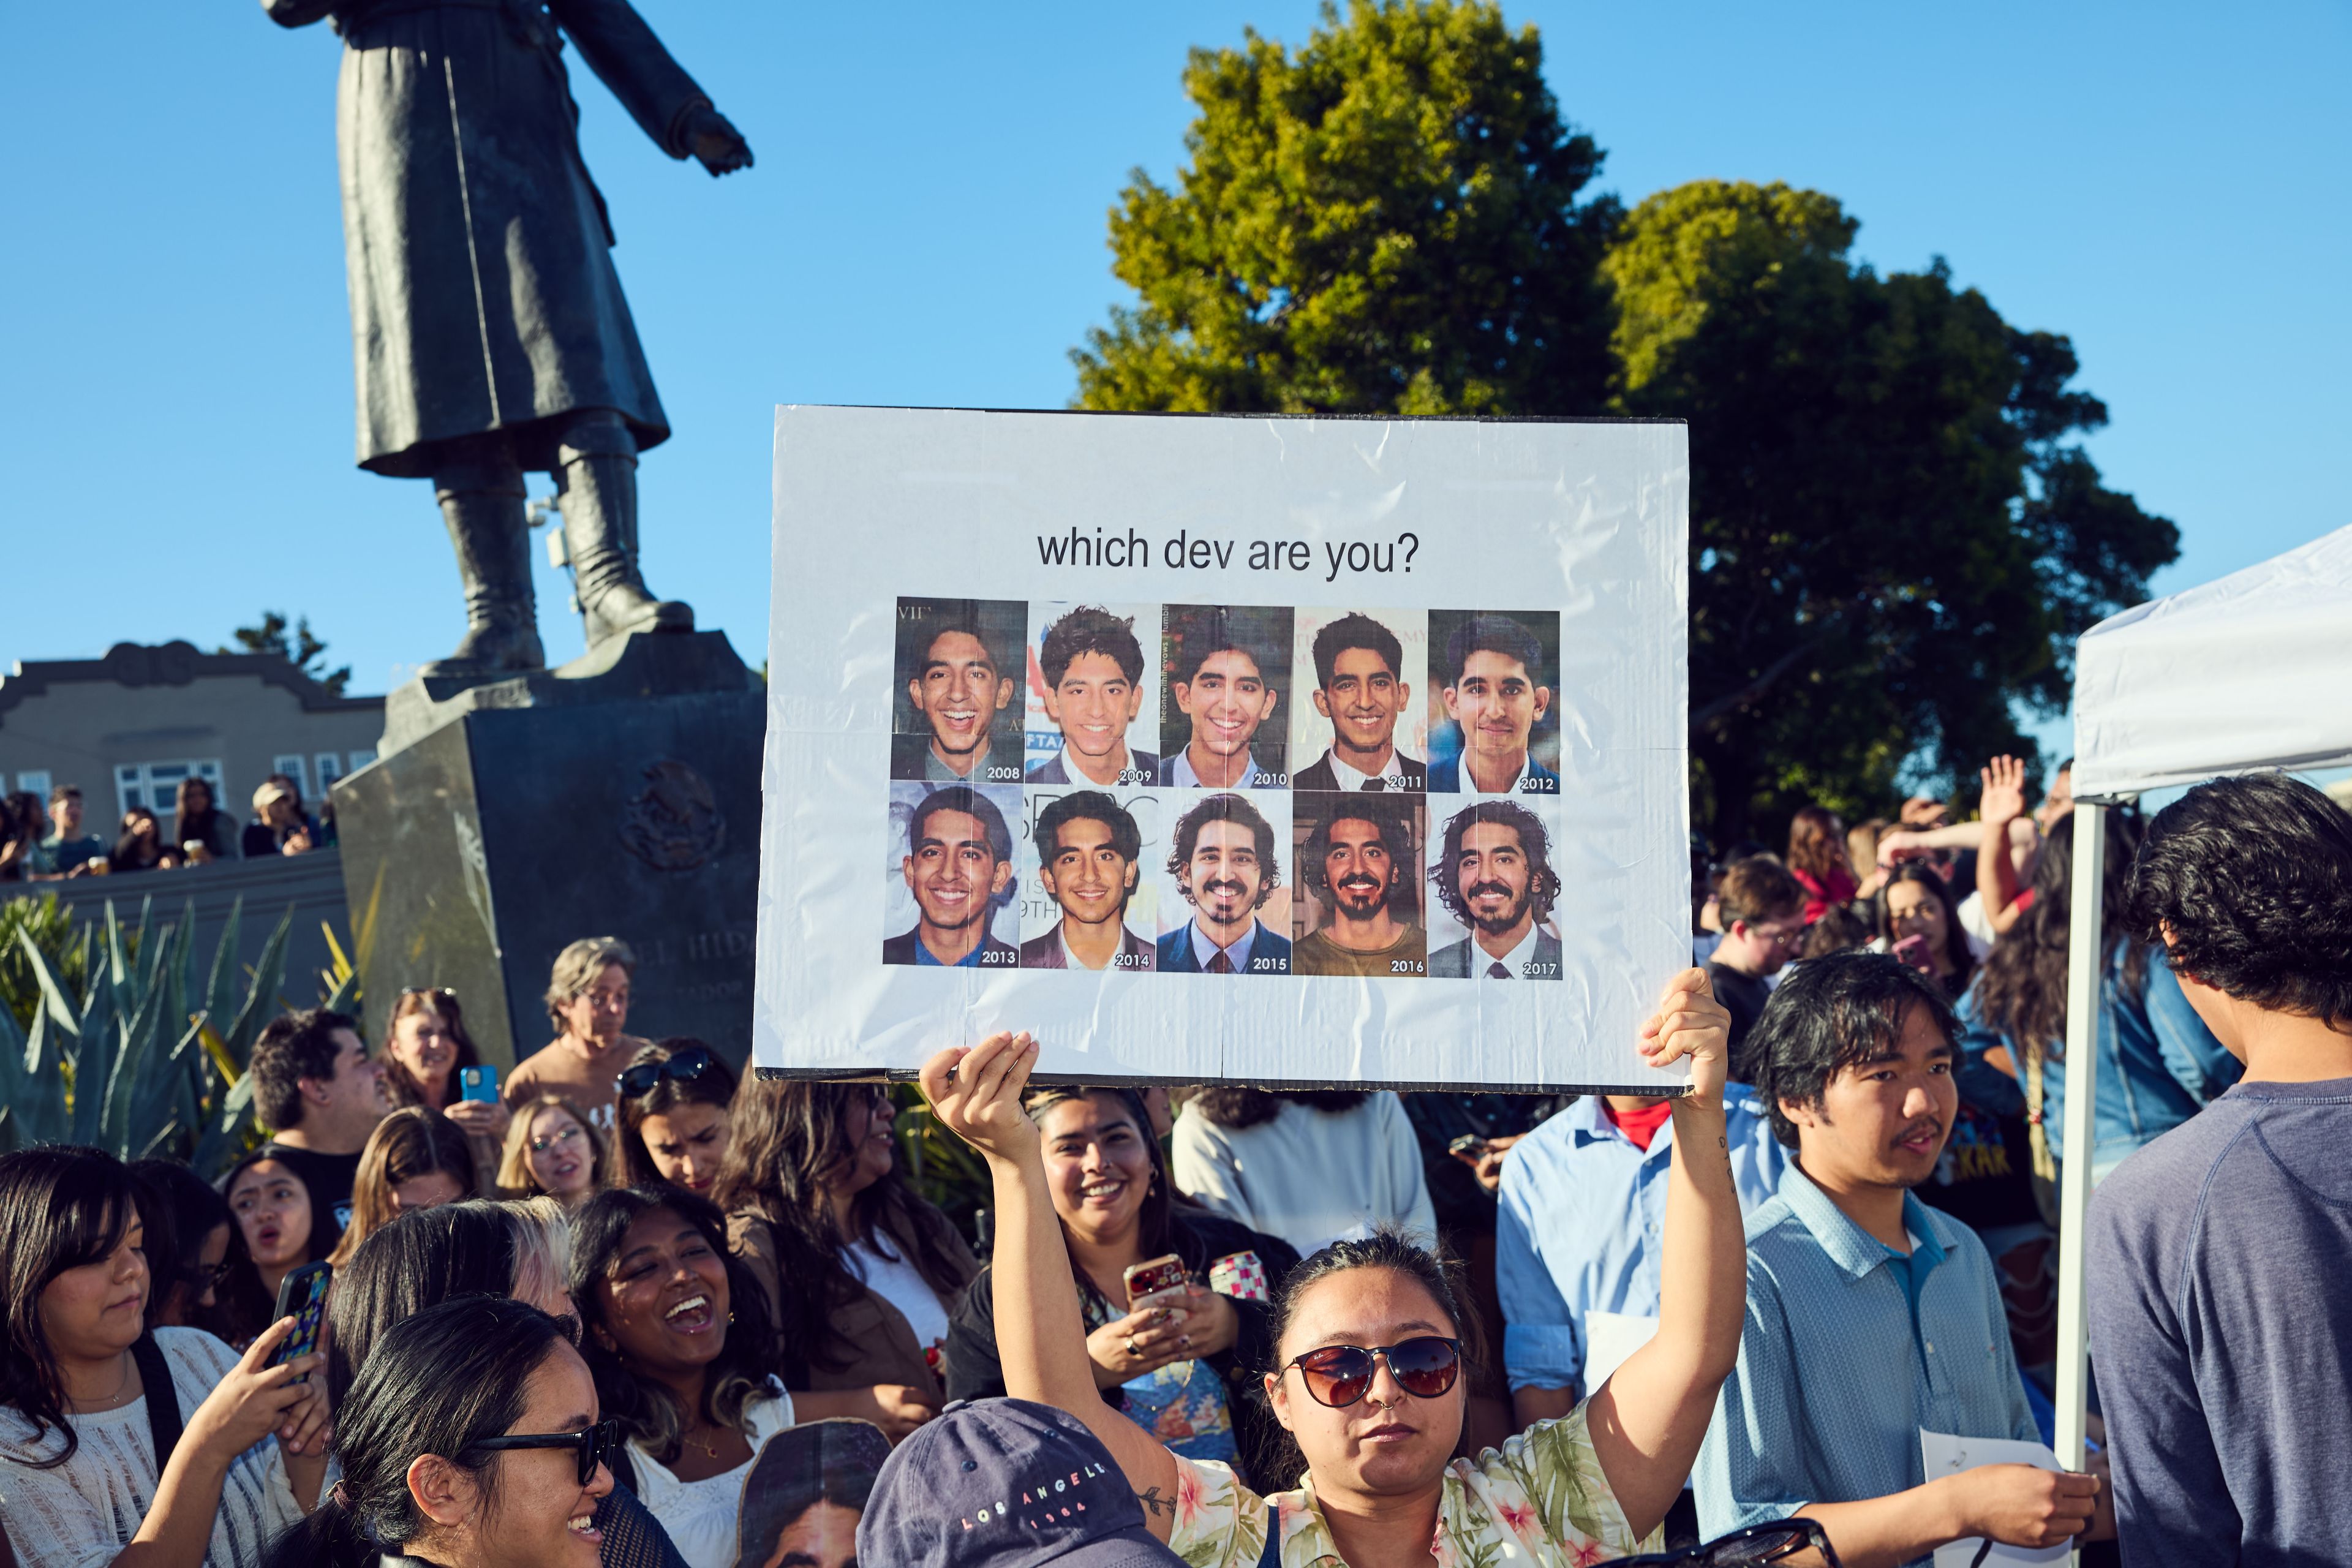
(1191, 634)
(1543, 885)
(1237, 1106)
(2251, 879)
(1226, 808)
(1389, 818)
(1090, 629)
(1832, 1014)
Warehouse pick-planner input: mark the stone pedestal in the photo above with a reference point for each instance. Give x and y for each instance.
(617, 796)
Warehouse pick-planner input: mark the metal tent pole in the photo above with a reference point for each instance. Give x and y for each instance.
(2082, 1069)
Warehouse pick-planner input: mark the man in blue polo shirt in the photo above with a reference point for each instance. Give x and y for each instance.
(1871, 1316)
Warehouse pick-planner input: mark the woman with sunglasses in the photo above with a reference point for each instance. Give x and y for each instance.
(672, 1122)
(431, 1256)
(1181, 1361)
(1367, 1355)
(424, 1058)
(679, 1340)
(813, 1201)
(552, 1150)
(469, 1438)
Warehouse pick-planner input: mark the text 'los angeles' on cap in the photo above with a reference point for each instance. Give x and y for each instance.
(1004, 1483)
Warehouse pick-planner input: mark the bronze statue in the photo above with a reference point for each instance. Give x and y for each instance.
(488, 323)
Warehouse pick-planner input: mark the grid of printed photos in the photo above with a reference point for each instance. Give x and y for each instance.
(1225, 789)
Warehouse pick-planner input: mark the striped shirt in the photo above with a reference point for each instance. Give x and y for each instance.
(1848, 1350)
(84, 1512)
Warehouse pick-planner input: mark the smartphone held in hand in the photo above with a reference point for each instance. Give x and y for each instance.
(1152, 1277)
(303, 1296)
(479, 1084)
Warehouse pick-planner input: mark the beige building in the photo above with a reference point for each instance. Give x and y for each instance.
(128, 727)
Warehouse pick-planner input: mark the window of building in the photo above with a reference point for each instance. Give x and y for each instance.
(331, 768)
(36, 781)
(156, 786)
(292, 766)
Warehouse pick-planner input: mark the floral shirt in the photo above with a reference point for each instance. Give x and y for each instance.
(1540, 1500)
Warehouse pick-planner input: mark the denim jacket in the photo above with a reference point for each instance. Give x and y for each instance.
(2159, 1065)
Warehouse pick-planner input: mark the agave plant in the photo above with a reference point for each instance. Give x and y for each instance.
(143, 1056)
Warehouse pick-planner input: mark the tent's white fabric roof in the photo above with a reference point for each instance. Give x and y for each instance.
(2250, 671)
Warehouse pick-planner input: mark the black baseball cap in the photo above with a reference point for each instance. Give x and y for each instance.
(1005, 1483)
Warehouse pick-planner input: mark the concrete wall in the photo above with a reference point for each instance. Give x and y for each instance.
(311, 884)
(156, 710)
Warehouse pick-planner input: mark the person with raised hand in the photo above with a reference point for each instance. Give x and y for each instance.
(1367, 1364)
(86, 1394)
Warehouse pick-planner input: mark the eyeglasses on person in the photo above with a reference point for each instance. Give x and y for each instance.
(571, 1134)
(1779, 1541)
(593, 1444)
(1340, 1376)
(685, 1066)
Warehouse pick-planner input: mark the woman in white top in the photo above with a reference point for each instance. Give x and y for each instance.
(678, 1339)
(79, 1484)
(1312, 1166)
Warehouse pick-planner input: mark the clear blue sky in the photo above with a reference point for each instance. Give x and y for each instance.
(926, 225)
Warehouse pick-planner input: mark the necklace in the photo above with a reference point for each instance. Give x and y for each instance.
(121, 1384)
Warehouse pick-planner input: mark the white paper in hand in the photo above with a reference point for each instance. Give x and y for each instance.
(1609, 1338)
(1945, 1455)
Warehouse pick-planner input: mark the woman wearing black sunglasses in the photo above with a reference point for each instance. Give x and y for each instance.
(469, 1438)
(1367, 1366)
(674, 1116)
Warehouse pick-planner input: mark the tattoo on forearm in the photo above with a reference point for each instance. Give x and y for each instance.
(1154, 1503)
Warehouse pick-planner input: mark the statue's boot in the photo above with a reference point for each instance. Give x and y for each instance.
(597, 473)
(483, 505)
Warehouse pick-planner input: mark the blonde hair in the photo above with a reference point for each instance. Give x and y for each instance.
(577, 967)
(411, 1141)
(542, 1241)
(515, 1178)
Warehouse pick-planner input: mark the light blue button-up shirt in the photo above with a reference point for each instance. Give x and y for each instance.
(1838, 1372)
(1579, 1222)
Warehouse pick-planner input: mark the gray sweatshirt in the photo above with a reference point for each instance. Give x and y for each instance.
(2220, 1296)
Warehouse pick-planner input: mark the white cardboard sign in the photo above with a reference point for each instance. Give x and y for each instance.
(1293, 751)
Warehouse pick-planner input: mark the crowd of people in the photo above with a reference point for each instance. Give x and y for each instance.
(1304, 1328)
(51, 842)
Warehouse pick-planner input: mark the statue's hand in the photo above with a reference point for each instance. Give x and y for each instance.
(720, 146)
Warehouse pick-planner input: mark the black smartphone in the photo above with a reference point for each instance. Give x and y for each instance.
(1469, 1146)
(303, 1296)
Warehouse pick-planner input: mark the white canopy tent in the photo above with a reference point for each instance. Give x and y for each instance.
(2251, 673)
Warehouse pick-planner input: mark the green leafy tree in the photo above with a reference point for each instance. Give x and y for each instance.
(1894, 534)
(305, 652)
(1386, 221)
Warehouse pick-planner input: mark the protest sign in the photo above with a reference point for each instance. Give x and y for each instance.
(1293, 751)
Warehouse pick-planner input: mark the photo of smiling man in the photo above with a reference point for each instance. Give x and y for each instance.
(1496, 697)
(1090, 853)
(1359, 865)
(1224, 864)
(1362, 690)
(1091, 679)
(958, 667)
(1227, 668)
(1492, 873)
(957, 870)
